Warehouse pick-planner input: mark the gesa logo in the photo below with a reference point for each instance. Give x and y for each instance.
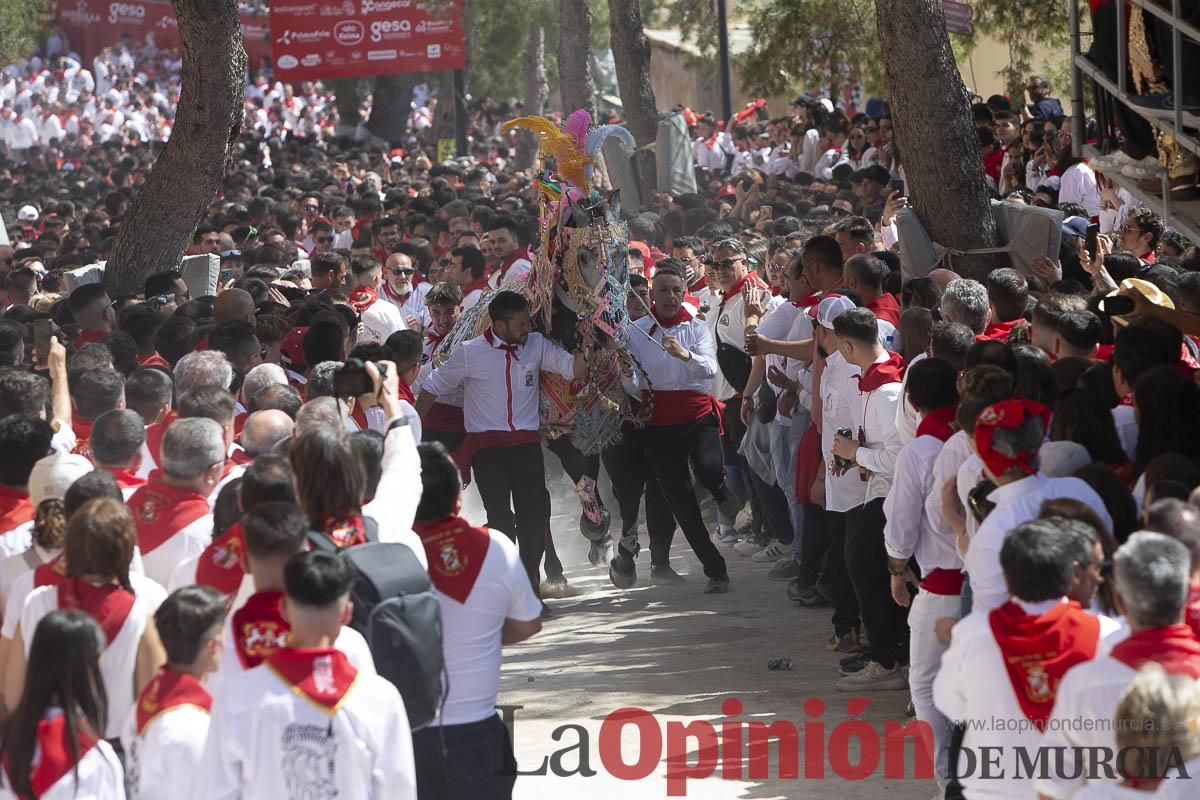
(389, 27)
(125, 11)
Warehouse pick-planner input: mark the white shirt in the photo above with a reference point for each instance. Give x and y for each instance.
(16, 565)
(1078, 185)
(471, 298)
(945, 466)
(150, 591)
(907, 418)
(398, 494)
(909, 529)
(166, 755)
(17, 540)
(380, 320)
(846, 491)
(413, 304)
(501, 386)
(730, 327)
(875, 413)
(100, 778)
(777, 324)
(267, 742)
(23, 134)
(186, 543)
(471, 632)
(517, 270)
(1016, 503)
(1180, 788)
(1125, 420)
(973, 684)
(118, 662)
(664, 371)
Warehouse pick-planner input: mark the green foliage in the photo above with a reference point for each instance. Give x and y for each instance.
(501, 32)
(22, 24)
(1022, 26)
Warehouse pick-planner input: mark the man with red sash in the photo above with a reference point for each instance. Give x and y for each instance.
(165, 736)
(116, 445)
(444, 422)
(911, 534)
(273, 532)
(499, 374)
(678, 360)
(94, 392)
(486, 602)
(504, 234)
(1007, 663)
(1151, 572)
(1008, 298)
(864, 274)
(307, 722)
(171, 511)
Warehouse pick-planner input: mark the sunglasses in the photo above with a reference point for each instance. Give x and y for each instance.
(728, 263)
(324, 239)
(314, 209)
(400, 271)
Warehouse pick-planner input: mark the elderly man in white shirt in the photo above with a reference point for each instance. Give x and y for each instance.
(1008, 436)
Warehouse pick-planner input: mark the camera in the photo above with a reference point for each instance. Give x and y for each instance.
(352, 380)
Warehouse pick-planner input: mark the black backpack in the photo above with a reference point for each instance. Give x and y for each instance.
(396, 611)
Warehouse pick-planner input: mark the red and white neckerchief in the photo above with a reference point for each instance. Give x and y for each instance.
(322, 675)
(750, 278)
(681, 316)
(15, 508)
(455, 551)
(345, 530)
(52, 757)
(220, 564)
(391, 294)
(126, 478)
(259, 628)
(167, 690)
(108, 604)
(161, 511)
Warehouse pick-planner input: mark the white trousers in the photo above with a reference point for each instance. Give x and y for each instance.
(925, 658)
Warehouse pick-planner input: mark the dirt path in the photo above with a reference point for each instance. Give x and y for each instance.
(680, 654)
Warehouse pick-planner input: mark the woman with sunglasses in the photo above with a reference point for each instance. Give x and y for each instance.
(53, 745)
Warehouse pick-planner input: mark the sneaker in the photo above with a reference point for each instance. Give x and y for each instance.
(797, 589)
(555, 586)
(662, 573)
(730, 506)
(717, 585)
(873, 678)
(785, 569)
(622, 572)
(749, 548)
(727, 536)
(853, 664)
(772, 552)
(846, 643)
(816, 597)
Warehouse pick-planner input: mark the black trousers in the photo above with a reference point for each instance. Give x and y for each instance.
(450, 439)
(465, 762)
(670, 448)
(866, 563)
(512, 483)
(845, 602)
(629, 471)
(815, 543)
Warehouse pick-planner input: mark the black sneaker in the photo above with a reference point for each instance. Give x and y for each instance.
(853, 664)
(816, 597)
(662, 573)
(717, 585)
(797, 589)
(622, 572)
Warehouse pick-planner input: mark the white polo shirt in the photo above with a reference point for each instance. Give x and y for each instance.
(501, 385)
(664, 371)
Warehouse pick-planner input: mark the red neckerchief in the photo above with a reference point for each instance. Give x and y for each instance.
(154, 435)
(1126, 400)
(15, 508)
(346, 530)
(1192, 615)
(239, 424)
(885, 308)
(82, 428)
(53, 752)
(87, 337)
(506, 265)
(938, 423)
(161, 511)
(321, 674)
(391, 294)
(259, 628)
(455, 551)
(362, 298)
(220, 565)
(201, 345)
(52, 573)
(477, 283)
(1039, 649)
(167, 690)
(698, 285)
(882, 373)
(237, 458)
(1173, 647)
(405, 391)
(776, 291)
(1007, 414)
(126, 478)
(359, 416)
(499, 344)
(153, 360)
(109, 605)
(681, 316)
(735, 290)
(434, 338)
(998, 331)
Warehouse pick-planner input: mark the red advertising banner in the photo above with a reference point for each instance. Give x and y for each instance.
(334, 39)
(92, 25)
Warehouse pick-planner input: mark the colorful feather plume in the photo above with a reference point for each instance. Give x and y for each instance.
(570, 161)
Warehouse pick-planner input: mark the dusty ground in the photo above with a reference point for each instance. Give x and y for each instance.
(680, 654)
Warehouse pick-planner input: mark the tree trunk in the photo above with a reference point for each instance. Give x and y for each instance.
(345, 94)
(188, 172)
(934, 131)
(536, 92)
(391, 105)
(443, 117)
(575, 84)
(631, 52)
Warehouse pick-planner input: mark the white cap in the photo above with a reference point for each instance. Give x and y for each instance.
(825, 101)
(27, 214)
(54, 474)
(1062, 459)
(831, 308)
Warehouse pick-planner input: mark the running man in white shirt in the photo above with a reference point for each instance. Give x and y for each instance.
(486, 602)
(306, 723)
(165, 735)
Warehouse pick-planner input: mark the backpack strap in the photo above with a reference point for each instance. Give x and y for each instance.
(371, 529)
(317, 540)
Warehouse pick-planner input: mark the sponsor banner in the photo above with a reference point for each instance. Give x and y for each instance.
(365, 37)
(92, 25)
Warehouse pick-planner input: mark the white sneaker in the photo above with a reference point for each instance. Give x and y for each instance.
(772, 552)
(874, 677)
(749, 548)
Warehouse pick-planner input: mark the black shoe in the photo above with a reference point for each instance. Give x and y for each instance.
(853, 664)
(717, 585)
(546, 612)
(662, 573)
(816, 597)
(796, 589)
(622, 572)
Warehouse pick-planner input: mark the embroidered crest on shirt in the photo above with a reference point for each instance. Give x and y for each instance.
(1038, 685)
(309, 757)
(264, 638)
(149, 511)
(228, 555)
(451, 563)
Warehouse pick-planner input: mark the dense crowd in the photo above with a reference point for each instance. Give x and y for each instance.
(990, 484)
